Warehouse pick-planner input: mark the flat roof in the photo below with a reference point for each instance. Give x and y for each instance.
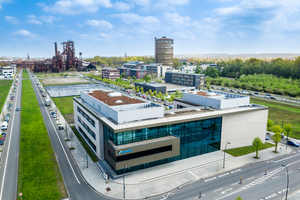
(173, 86)
(113, 100)
(204, 94)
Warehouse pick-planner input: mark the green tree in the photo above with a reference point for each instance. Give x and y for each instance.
(147, 93)
(269, 124)
(257, 143)
(122, 75)
(176, 64)
(239, 198)
(177, 92)
(276, 137)
(155, 93)
(288, 128)
(134, 78)
(212, 72)
(147, 78)
(150, 91)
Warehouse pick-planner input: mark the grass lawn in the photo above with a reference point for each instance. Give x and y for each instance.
(85, 146)
(246, 150)
(4, 88)
(65, 106)
(39, 174)
(290, 114)
(25, 74)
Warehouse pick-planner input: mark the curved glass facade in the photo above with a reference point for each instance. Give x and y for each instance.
(196, 138)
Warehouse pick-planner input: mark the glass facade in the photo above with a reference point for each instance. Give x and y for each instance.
(196, 138)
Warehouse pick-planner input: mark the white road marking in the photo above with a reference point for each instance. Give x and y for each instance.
(165, 197)
(251, 178)
(223, 175)
(290, 172)
(271, 196)
(234, 184)
(10, 136)
(235, 171)
(286, 158)
(193, 174)
(218, 189)
(226, 191)
(211, 179)
(275, 177)
(58, 138)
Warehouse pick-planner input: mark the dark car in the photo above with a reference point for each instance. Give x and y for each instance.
(1, 142)
(3, 133)
(60, 127)
(231, 90)
(292, 143)
(15, 88)
(12, 98)
(212, 87)
(239, 92)
(250, 93)
(273, 97)
(52, 113)
(222, 88)
(256, 93)
(17, 109)
(267, 95)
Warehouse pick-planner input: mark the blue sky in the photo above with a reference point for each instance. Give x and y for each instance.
(111, 28)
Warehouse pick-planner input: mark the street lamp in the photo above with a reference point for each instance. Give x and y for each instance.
(287, 181)
(124, 181)
(224, 153)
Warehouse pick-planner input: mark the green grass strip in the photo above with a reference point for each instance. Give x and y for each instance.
(39, 173)
(4, 88)
(246, 150)
(290, 114)
(64, 104)
(85, 146)
(25, 74)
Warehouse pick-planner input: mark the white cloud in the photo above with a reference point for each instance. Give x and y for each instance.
(175, 2)
(49, 19)
(99, 36)
(141, 2)
(176, 18)
(0, 6)
(12, 20)
(31, 16)
(130, 18)
(72, 7)
(122, 6)
(79, 25)
(34, 21)
(185, 35)
(24, 33)
(99, 23)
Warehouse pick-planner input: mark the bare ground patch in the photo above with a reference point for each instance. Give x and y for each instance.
(69, 118)
(61, 81)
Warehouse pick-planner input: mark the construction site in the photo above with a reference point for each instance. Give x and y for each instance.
(61, 61)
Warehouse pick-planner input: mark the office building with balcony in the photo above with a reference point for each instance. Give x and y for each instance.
(110, 73)
(138, 73)
(156, 69)
(164, 51)
(133, 65)
(124, 131)
(185, 79)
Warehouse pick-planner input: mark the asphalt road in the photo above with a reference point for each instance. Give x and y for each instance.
(255, 184)
(10, 153)
(76, 187)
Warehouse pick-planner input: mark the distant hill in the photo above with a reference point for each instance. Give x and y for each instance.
(224, 55)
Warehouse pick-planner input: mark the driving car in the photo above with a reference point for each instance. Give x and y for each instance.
(292, 143)
(17, 109)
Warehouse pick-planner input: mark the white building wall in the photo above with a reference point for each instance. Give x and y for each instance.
(241, 128)
(98, 130)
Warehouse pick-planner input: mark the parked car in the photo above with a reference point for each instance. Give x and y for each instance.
(41, 91)
(250, 93)
(267, 97)
(144, 97)
(222, 88)
(267, 138)
(282, 135)
(256, 93)
(1, 142)
(43, 95)
(292, 143)
(3, 133)
(7, 118)
(239, 92)
(154, 100)
(60, 127)
(17, 109)
(128, 92)
(149, 98)
(54, 115)
(3, 138)
(13, 92)
(231, 90)
(273, 97)
(212, 87)
(15, 88)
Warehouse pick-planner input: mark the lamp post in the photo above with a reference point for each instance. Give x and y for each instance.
(224, 153)
(124, 182)
(287, 181)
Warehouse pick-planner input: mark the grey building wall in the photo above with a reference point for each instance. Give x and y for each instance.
(168, 77)
(162, 89)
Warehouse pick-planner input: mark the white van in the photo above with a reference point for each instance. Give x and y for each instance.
(4, 125)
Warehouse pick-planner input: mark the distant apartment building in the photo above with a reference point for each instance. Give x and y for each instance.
(164, 51)
(110, 73)
(156, 69)
(138, 73)
(7, 72)
(185, 79)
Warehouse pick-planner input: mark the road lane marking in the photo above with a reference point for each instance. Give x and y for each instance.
(193, 174)
(234, 184)
(251, 178)
(223, 175)
(226, 191)
(218, 189)
(271, 196)
(10, 136)
(58, 138)
(235, 171)
(286, 158)
(211, 179)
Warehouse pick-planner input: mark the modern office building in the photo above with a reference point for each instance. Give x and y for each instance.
(110, 73)
(133, 65)
(164, 51)
(156, 69)
(152, 86)
(7, 72)
(138, 73)
(186, 79)
(124, 131)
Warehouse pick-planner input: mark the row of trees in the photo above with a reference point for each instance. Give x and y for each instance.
(261, 83)
(277, 67)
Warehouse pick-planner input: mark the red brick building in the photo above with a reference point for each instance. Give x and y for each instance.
(110, 73)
